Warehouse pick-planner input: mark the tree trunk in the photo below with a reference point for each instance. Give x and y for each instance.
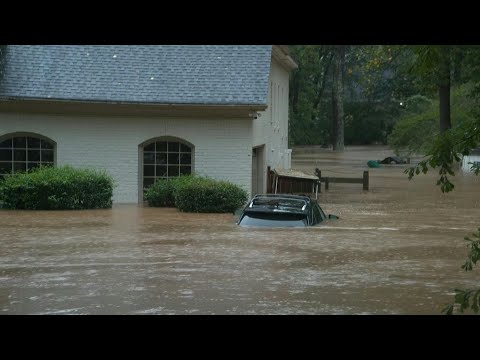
(337, 99)
(445, 122)
(444, 90)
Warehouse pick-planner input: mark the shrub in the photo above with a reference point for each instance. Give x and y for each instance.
(160, 194)
(196, 194)
(204, 195)
(60, 188)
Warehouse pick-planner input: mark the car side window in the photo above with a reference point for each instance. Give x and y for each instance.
(314, 216)
(323, 214)
(319, 215)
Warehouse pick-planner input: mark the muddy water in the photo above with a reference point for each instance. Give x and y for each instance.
(397, 249)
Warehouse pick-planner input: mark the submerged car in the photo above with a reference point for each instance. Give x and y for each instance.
(392, 160)
(283, 211)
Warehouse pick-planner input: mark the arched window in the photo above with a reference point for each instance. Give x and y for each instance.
(22, 152)
(166, 158)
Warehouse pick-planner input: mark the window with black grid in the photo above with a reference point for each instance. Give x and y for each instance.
(164, 160)
(22, 153)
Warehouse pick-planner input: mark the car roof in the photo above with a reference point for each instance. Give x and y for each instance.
(284, 196)
(279, 203)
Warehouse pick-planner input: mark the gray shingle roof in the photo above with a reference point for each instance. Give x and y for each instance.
(162, 74)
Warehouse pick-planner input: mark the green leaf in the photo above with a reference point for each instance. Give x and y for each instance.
(448, 310)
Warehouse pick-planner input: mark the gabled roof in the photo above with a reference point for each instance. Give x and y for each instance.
(152, 74)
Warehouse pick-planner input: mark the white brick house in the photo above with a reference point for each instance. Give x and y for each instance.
(147, 112)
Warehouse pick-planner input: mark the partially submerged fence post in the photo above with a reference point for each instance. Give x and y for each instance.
(318, 173)
(269, 180)
(365, 180)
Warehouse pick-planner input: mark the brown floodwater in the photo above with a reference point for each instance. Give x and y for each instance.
(396, 249)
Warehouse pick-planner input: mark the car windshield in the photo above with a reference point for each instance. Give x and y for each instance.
(274, 220)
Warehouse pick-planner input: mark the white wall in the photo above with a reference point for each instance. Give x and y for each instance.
(271, 128)
(222, 147)
(469, 159)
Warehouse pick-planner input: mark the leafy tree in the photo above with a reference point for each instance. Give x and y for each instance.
(434, 65)
(308, 86)
(452, 142)
(418, 123)
(369, 86)
(468, 298)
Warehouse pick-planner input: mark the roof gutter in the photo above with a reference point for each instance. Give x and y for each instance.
(258, 107)
(121, 108)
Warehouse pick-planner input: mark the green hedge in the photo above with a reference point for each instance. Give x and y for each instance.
(57, 188)
(203, 195)
(197, 194)
(161, 194)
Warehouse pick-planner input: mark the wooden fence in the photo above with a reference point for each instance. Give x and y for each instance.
(327, 180)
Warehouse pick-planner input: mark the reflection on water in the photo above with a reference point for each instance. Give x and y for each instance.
(397, 249)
